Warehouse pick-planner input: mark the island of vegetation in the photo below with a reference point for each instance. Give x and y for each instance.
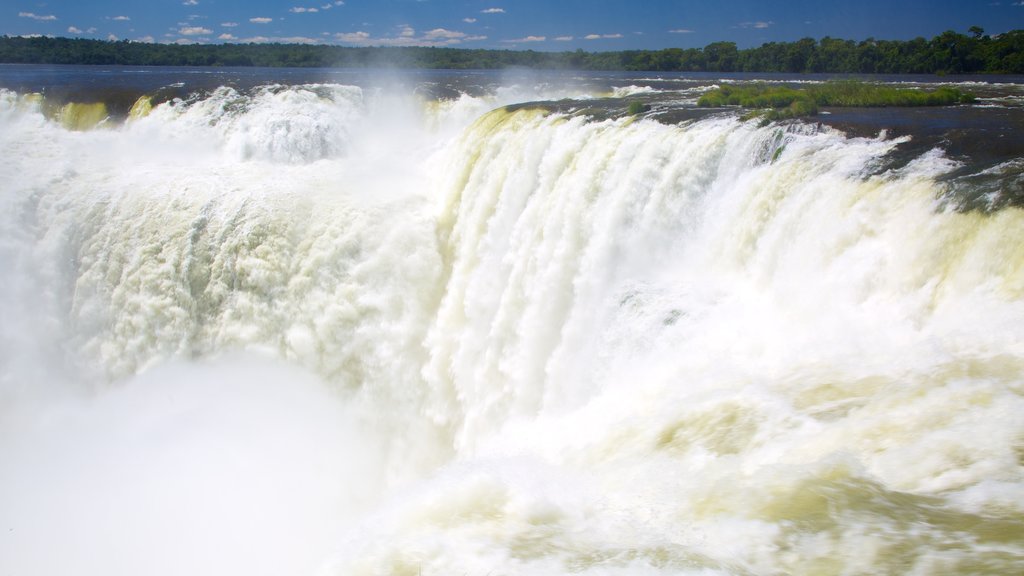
(776, 102)
(947, 53)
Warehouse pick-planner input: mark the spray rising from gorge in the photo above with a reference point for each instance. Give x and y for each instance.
(327, 328)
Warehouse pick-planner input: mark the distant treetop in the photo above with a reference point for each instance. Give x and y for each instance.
(947, 53)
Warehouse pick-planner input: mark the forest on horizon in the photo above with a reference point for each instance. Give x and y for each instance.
(947, 53)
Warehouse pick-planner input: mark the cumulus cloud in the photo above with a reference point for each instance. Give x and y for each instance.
(563, 38)
(36, 16)
(602, 36)
(261, 20)
(226, 36)
(111, 38)
(493, 11)
(91, 30)
(469, 20)
(681, 31)
(280, 40)
(756, 25)
(120, 18)
(301, 10)
(406, 35)
(190, 2)
(73, 30)
(527, 39)
(146, 40)
(353, 37)
(228, 24)
(441, 33)
(194, 31)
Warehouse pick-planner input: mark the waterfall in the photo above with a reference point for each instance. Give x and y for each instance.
(519, 339)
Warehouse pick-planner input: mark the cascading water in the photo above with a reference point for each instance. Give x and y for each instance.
(318, 322)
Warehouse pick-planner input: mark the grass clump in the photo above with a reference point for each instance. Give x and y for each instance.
(780, 102)
(862, 94)
(637, 107)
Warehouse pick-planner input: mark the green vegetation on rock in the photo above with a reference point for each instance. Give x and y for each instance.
(775, 102)
(636, 107)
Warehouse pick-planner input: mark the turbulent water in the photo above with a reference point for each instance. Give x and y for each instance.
(354, 329)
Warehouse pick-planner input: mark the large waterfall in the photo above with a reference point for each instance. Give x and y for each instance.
(328, 329)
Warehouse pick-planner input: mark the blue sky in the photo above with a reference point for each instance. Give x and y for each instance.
(592, 25)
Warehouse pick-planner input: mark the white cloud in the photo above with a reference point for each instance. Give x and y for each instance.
(120, 18)
(602, 36)
(226, 36)
(145, 40)
(73, 30)
(493, 11)
(527, 39)
(353, 37)
(756, 25)
(301, 10)
(190, 2)
(91, 30)
(298, 40)
(280, 40)
(228, 24)
(36, 16)
(469, 20)
(441, 33)
(111, 38)
(194, 31)
(261, 20)
(563, 38)
(681, 31)
(407, 36)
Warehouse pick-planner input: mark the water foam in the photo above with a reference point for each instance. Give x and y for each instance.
(607, 347)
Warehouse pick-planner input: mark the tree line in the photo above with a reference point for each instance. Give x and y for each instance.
(947, 53)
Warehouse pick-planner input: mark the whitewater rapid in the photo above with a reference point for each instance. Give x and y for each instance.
(327, 329)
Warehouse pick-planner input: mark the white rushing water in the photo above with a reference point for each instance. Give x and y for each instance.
(321, 329)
